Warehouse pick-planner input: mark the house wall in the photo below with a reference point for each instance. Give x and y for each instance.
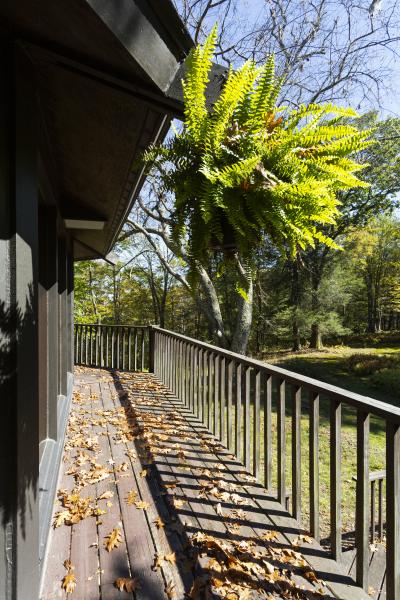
(36, 298)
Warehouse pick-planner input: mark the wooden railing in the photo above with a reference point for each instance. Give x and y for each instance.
(112, 346)
(377, 479)
(230, 393)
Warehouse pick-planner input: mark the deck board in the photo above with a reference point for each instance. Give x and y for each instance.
(172, 461)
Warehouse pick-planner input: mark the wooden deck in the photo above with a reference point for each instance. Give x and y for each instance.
(188, 521)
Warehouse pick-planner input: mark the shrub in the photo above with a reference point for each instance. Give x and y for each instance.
(369, 364)
(388, 380)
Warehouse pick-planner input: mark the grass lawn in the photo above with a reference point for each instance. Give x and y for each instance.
(331, 365)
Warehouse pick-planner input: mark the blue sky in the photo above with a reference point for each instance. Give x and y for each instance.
(254, 12)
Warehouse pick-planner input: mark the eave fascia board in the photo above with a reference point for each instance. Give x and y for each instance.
(139, 38)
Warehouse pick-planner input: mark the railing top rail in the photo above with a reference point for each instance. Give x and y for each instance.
(365, 403)
(111, 325)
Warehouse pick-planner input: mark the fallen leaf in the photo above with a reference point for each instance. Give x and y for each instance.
(127, 584)
(178, 502)
(69, 582)
(106, 495)
(131, 497)
(171, 558)
(159, 523)
(170, 590)
(143, 473)
(68, 565)
(158, 560)
(142, 505)
(113, 539)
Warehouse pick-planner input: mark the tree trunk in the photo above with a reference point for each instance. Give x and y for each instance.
(371, 325)
(93, 295)
(295, 293)
(316, 337)
(296, 335)
(211, 308)
(243, 322)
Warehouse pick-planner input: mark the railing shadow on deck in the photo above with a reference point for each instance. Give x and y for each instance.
(194, 447)
(229, 393)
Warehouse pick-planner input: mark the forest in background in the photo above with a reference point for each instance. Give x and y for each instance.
(358, 290)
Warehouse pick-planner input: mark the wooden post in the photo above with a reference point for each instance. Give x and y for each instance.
(335, 479)
(281, 442)
(296, 452)
(314, 465)
(362, 500)
(393, 510)
(267, 432)
(256, 425)
(151, 350)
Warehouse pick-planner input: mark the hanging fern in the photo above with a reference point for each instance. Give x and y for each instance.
(250, 168)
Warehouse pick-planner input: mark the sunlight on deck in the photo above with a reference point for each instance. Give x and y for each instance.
(151, 506)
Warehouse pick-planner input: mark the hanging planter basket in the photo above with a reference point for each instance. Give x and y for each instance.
(227, 244)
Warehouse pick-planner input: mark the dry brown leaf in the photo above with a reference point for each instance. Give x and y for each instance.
(122, 467)
(159, 523)
(170, 590)
(127, 584)
(68, 565)
(131, 497)
(158, 560)
(60, 518)
(140, 504)
(171, 558)
(178, 502)
(269, 536)
(106, 495)
(69, 582)
(143, 473)
(113, 539)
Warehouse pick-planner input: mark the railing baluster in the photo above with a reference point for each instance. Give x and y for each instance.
(118, 348)
(314, 465)
(362, 499)
(91, 344)
(222, 433)
(256, 424)
(380, 508)
(210, 388)
(130, 348)
(199, 361)
(281, 412)
(238, 412)
(171, 364)
(184, 348)
(204, 393)
(187, 374)
(229, 386)
(192, 378)
(335, 475)
(135, 351)
(96, 354)
(102, 345)
(372, 491)
(268, 432)
(296, 452)
(86, 345)
(216, 395)
(247, 440)
(143, 350)
(393, 510)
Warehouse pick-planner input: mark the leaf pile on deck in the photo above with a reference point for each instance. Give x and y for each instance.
(239, 560)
